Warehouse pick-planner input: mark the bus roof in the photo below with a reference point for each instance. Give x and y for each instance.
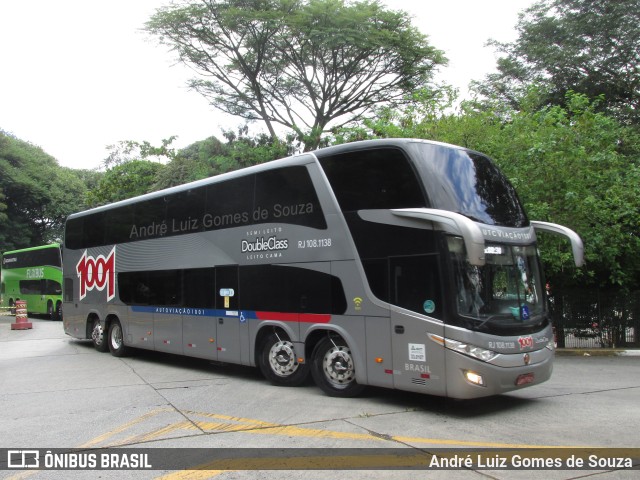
(39, 247)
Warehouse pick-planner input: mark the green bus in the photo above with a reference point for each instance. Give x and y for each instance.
(35, 276)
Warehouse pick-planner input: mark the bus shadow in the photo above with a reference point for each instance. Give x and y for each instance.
(461, 409)
(406, 401)
(179, 361)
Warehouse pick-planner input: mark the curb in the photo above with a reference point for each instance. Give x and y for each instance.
(596, 352)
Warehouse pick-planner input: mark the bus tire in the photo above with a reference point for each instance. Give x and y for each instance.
(278, 362)
(98, 337)
(333, 369)
(116, 340)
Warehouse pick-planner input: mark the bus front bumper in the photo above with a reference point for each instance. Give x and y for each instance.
(471, 378)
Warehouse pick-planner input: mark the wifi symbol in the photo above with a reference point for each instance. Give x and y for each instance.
(357, 302)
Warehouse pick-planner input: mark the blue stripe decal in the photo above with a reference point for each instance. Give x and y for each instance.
(195, 312)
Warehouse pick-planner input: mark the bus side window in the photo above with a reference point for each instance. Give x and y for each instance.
(199, 287)
(68, 289)
(278, 288)
(162, 288)
(416, 284)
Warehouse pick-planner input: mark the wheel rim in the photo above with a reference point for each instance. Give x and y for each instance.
(338, 366)
(282, 359)
(116, 336)
(97, 334)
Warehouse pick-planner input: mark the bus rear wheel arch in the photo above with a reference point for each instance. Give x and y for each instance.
(332, 367)
(278, 362)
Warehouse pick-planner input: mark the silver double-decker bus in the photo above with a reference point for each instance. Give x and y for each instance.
(395, 263)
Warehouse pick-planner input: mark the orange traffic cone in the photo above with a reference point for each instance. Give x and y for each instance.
(22, 322)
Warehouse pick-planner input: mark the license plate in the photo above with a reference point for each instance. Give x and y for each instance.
(524, 379)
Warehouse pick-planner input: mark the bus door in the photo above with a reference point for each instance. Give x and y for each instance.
(415, 287)
(230, 320)
(199, 317)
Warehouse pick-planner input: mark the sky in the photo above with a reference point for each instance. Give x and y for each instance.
(78, 75)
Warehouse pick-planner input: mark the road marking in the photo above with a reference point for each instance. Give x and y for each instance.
(126, 426)
(227, 423)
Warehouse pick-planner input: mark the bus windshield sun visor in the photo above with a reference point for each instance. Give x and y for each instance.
(455, 223)
(574, 238)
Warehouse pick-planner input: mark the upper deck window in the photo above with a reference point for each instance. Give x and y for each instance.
(49, 257)
(373, 179)
(281, 195)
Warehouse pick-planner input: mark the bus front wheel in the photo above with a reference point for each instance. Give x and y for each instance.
(278, 361)
(98, 337)
(333, 369)
(116, 340)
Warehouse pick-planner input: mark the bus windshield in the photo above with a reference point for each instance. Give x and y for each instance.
(504, 293)
(471, 184)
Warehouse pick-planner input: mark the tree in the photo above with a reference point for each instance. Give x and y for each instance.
(590, 47)
(212, 157)
(124, 180)
(135, 168)
(576, 166)
(127, 150)
(305, 65)
(189, 164)
(36, 194)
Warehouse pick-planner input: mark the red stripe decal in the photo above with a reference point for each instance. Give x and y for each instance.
(315, 318)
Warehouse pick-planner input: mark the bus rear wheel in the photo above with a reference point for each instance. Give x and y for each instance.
(116, 340)
(54, 313)
(98, 337)
(333, 369)
(278, 361)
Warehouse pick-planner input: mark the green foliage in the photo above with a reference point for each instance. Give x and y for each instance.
(243, 150)
(580, 168)
(127, 150)
(36, 194)
(126, 180)
(305, 65)
(131, 171)
(189, 164)
(586, 46)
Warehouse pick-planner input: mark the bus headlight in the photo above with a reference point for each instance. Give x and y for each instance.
(473, 351)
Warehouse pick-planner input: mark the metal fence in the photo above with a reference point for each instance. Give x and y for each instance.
(596, 318)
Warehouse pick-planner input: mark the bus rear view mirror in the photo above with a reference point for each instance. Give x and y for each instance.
(576, 242)
(455, 223)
